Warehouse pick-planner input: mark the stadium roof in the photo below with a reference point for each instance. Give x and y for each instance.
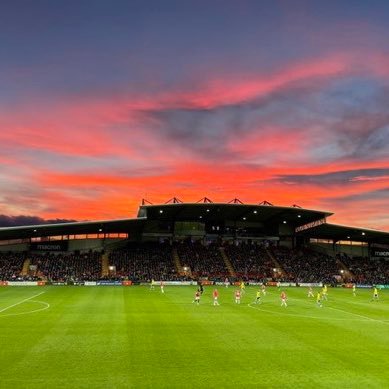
(231, 212)
(339, 232)
(308, 223)
(73, 228)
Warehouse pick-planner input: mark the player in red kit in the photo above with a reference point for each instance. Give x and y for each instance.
(237, 296)
(197, 297)
(162, 284)
(283, 299)
(215, 295)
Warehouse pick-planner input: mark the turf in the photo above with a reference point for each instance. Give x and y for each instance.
(124, 337)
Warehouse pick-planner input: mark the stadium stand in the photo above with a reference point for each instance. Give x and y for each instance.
(250, 261)
(366, 271)
(144, 262)
(11, 265)
(67, 267)
(305, 265)
(205, 240)
(204, 261)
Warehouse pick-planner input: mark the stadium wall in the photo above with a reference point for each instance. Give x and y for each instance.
(285, 230)
(19, 247)
(81, 245)
(286, 242)
(349, 249)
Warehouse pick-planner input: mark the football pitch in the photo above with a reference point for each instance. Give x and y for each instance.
(133, 337)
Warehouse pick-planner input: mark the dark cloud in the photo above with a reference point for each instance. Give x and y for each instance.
(361, 120)
(341, 117)
(334, 178)
(206, 131)
(379, 194)
(22, 220)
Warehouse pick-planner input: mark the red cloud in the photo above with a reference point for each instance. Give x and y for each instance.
(116, 127)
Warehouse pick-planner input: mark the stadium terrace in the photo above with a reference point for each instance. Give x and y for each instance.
(187, 242)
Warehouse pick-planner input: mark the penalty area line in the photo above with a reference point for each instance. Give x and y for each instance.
(20, 302)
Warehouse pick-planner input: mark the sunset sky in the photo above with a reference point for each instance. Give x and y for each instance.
(103, 103)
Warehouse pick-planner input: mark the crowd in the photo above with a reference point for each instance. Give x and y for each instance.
(11, 265)
(67, 267)
(250, 261)
(304, 265)
(204, 261)
(143, 262)
(367, 271)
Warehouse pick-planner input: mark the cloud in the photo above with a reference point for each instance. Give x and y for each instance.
(23, 220)
(335, 178)
(206, 120)
(373, 196)
(316, 124)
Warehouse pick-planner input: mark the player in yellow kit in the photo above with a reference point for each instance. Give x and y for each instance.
(375, 294)
(310, 292)
(258, 297)
(242, 287)
(324, 292)
(318, 299)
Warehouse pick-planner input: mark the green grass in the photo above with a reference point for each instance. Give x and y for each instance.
(123, 337)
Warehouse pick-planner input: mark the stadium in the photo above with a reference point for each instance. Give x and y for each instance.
(195, 294)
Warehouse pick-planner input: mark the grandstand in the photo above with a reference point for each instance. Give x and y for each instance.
(190, 241)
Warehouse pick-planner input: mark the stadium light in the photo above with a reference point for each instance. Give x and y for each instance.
(244, 218)
(363, 233)
(298, 215)
(274, 269)
(255, 211)
(207, 209)
(348, 237)
(161, 211)
(284, 222)
(100, 229)
(341, 271)
(34, 231)
(200, 217)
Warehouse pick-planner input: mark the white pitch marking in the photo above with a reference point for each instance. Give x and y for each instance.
(20, 302)
(46, 306)
(356, 314)
(365, 318)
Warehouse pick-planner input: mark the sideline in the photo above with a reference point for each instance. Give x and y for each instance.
(20, 302)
